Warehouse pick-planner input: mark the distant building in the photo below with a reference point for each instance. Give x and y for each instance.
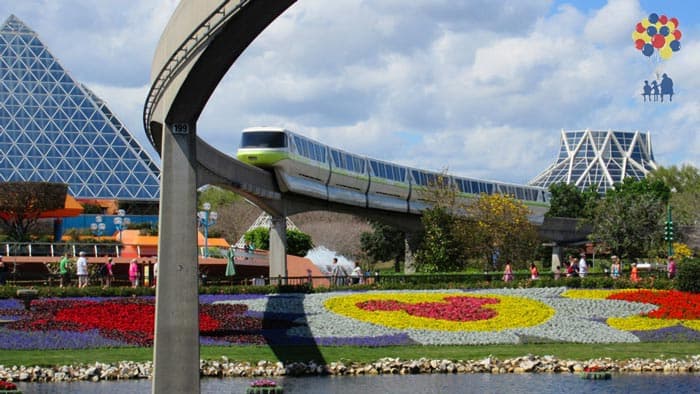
(599, 159)
(54, 129)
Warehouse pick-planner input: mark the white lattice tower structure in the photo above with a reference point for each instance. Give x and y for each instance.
(264, 221)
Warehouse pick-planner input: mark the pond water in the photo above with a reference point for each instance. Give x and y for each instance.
(424, 384)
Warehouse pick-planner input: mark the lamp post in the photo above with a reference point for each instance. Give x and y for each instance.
(121, 222)
(668, 231)
(98, 227)
(206, 218)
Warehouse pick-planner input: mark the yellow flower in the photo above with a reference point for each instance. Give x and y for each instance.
(512, 312)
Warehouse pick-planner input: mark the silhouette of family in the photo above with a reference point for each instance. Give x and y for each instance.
(657, 91)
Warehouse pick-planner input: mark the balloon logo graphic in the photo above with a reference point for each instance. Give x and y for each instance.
(657, 36)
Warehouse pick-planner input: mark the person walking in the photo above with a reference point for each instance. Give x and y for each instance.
(81, 269)
(107, 273)
(356, 274)
(534, 273)
(338, 274)
(582, 266)
(634, 274)
(134, 273)
(615, 267)
(671, 268)
(63, 270)
(155, 274)
(508, 272)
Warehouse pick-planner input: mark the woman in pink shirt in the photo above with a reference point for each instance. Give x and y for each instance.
(134, 273)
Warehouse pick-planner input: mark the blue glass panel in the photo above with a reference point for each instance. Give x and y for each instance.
(336, 158)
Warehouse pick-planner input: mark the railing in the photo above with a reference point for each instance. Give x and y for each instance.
(94, 249)
(187, 48)
(50, 249)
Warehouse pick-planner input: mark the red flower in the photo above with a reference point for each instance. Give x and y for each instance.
(132, 320)
(461, 309)
(673, 304)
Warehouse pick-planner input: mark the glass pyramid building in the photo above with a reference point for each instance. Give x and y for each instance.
(54, 129)
(599, 159)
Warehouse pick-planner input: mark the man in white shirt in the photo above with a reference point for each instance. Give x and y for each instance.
(82, 270)
(582, 266)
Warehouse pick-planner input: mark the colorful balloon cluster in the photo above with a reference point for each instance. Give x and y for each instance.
(657, 33)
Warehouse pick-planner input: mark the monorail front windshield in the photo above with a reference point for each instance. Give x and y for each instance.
(263, 139)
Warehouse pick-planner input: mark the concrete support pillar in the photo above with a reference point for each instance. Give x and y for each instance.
(278, 248)
(176, 344)
(409, 262)
(556, 257)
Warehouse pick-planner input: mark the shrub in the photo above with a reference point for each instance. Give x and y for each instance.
(689, 276)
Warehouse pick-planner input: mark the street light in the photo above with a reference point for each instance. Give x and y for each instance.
(121, 222)
(206, 219)
(98, 227)
(669, 231)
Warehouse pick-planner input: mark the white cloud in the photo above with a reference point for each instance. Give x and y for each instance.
(482, 87)
(613, 24)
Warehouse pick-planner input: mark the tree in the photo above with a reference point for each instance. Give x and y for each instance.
(21, 204)
(501, 229)
(566, 201)
(678, 179)
(440, 250)
(629, 219)
(298, 243)
(384, 243)
(685, 198)
(217, 197)
(569, 201)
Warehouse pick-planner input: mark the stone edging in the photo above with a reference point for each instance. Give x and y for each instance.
(225, 368)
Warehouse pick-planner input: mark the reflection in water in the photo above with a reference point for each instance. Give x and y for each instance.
(424, 384)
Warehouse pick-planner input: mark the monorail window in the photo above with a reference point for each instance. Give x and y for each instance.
(423, 178)
(310, 150)
(263, 139)
(387, 171)
(347, 161)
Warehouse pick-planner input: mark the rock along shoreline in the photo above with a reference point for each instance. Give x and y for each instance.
(223, 367)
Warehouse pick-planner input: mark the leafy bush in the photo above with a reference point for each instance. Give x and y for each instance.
(689, 276)
(298, 243)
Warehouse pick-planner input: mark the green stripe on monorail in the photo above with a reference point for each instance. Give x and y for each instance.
(261, 157)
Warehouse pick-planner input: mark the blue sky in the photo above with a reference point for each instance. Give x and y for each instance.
(480, 87)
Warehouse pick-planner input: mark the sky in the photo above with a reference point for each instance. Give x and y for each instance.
(481, 88)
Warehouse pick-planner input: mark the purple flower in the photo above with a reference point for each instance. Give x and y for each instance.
(54, 339)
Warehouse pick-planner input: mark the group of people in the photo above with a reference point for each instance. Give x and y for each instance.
(658, 90)
(339, 277)
(578, 267)
(508, 272)
(105, 272)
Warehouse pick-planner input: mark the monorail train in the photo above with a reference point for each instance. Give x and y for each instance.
(308, 167)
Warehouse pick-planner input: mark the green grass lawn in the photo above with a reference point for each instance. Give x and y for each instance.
(362, 354)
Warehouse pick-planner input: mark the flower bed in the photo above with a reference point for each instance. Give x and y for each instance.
(373, 318)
